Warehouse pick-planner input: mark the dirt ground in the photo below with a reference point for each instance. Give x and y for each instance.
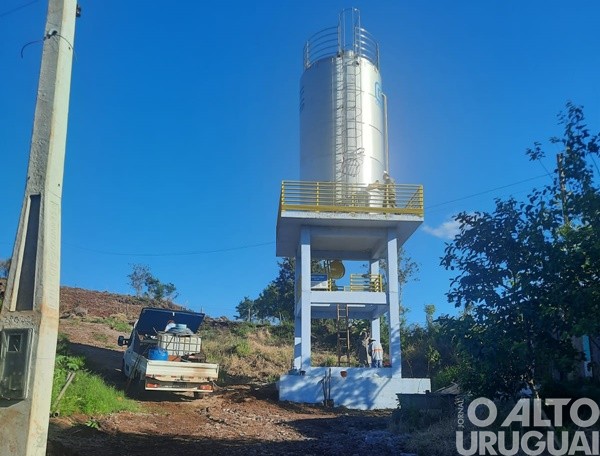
(235, 420)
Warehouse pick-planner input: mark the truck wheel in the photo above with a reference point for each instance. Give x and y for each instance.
(138, 389)
(123, 373)
(198, 395)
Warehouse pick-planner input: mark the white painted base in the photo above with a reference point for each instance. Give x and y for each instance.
(361, 389)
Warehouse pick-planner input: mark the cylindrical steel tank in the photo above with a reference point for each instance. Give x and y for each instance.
(343, 134)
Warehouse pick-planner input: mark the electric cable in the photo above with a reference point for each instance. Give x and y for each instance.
(49, 35)
(165, 254)
(248, 246)
(485, 192)
(544, 166)
(17, 8)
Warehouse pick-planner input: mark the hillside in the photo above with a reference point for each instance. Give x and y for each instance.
(96, 303)
(103, 304)
(249, 354)
(242, 417)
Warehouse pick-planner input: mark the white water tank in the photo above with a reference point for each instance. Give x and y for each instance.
(343, 132)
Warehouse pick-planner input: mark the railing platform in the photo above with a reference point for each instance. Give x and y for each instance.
(337, 197)
(347, 220)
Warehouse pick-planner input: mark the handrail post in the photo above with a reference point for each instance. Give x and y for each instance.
(318, 193)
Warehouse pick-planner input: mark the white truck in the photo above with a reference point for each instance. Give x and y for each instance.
(167, 360)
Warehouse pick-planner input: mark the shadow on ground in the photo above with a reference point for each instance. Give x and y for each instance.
(342, 435)
(330, 432)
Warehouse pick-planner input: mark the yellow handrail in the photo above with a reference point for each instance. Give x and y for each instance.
(356, 198)
(366, 282)
(358, 282)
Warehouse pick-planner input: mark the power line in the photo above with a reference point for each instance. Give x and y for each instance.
(17, 8)
(165, 254)
(544, 166)
(248, 246)
(594, 162)
(485, 191)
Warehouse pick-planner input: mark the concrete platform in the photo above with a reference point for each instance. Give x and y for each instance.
(361, 389)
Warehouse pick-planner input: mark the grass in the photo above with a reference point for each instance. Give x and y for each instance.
(261, 353)
(118, 322)
(435, 440)
(100, 337)
(87, 393)
(248, 352)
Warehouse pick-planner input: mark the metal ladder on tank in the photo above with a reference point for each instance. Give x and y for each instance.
(349, 151)
(354, 152)
(340, 114)
(343, 335)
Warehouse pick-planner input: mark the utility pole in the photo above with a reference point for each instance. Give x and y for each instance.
(563, 190)
(30, 312)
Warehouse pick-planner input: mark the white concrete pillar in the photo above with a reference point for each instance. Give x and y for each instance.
(297, 342)
(393, 303)
(305, 297)
(376, 323)
(376, 329)
(31, 305)
(297, 314)
(374, 267)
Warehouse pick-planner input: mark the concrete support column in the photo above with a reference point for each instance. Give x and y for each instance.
(376, 323)
(305, 294)
(297, 343)
(29, 316)
(297, 315)
(374, 267)
(376, 329)
(393, 303)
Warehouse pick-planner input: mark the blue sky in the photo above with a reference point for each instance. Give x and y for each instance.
(184, 120)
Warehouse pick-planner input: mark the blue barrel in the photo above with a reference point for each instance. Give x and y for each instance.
(158, 354)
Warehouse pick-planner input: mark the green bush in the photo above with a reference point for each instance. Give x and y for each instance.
(330, 361)
(575, 389)
(445, 377)
(87, 392)
(242, 348)
(113, 323)
(284, 332)
(242, 329)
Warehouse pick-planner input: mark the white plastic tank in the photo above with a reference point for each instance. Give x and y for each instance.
(343, 132)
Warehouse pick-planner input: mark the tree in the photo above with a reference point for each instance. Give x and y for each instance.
(138, 277)
(145, 284)
(245, 310)
(277, 300)
(408, 269)
(160, 291)
(4, 268)
(574, 205)
(527, 273)
(283, 294)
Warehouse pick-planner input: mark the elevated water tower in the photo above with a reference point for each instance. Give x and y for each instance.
(345, 208)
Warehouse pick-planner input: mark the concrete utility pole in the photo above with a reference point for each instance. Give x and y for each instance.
(29, 314)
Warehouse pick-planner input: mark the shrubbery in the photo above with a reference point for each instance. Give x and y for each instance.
(87, 393)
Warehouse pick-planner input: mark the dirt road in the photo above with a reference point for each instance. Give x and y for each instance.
(236, 420)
